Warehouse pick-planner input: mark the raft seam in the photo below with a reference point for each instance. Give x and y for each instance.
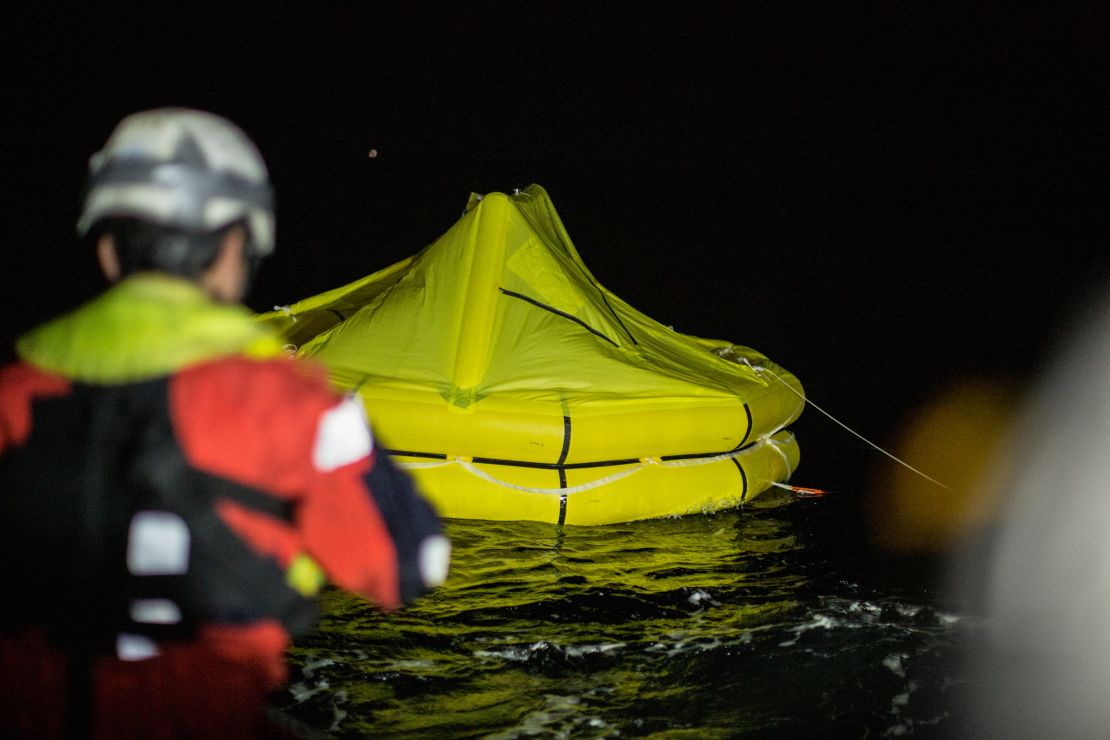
(557, 312)
(573, 466)
(614, 313)
(468, 465)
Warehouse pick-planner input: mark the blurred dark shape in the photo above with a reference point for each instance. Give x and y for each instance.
(951, 437)
(1039, 578)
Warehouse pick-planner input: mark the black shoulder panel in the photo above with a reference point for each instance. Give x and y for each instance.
(97, 465)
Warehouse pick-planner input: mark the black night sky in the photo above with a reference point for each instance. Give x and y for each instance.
(882, 198)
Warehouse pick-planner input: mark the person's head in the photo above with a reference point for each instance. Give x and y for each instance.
(183, 192)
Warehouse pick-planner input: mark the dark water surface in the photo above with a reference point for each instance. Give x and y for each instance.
(770, 621)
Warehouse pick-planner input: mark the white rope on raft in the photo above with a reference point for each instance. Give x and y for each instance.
(644, 462)
(761, 369)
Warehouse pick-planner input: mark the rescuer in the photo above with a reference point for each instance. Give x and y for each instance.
(174, 489)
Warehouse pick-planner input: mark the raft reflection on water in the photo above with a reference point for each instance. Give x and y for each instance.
(734, 624)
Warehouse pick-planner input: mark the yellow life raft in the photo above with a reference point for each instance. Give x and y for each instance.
(513, 385)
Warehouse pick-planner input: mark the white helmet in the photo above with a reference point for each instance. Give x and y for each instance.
(181, 168)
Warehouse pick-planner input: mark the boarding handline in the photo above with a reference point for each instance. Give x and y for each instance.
(760, 369)
(467, 464)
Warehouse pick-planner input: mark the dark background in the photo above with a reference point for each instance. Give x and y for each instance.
(882, 199)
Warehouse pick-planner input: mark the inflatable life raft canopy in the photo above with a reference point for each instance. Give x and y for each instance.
(512, 385)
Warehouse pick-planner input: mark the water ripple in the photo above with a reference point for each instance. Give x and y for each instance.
(732, 625)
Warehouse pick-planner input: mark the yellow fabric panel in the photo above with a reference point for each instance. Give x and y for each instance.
(306, 319)
(427, 424)
(686, 490)
(458, 494)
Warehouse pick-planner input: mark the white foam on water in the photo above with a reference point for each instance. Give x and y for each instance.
(700, 595)
(894, 663)
(406, 665)
(310, 667)
(560, 717)
(908, 610)
(514, 653)
(522, 653)
(577, 651)
(302, 692)
(819, 621)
